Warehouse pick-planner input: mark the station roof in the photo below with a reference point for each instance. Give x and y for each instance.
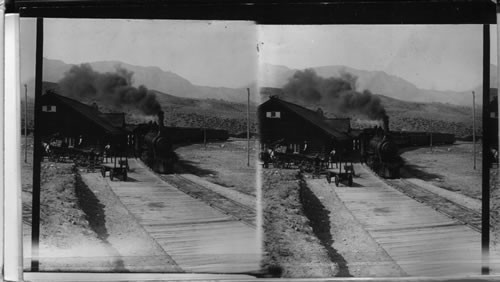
(88, 112)
(310, 116)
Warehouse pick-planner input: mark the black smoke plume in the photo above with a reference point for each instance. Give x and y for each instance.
(336, 94)
(111, 88)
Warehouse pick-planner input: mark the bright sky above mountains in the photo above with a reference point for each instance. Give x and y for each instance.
(447, 57)
(205, 53)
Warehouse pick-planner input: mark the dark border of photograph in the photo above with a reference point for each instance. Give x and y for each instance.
(277, 12)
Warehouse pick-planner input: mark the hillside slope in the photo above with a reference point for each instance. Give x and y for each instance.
(152, 78)
(378, 82)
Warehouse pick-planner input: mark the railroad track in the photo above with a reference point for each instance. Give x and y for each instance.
(228, 206)
(456, 211)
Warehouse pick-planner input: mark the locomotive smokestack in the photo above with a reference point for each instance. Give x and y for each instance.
(161, 116)
(385, 123)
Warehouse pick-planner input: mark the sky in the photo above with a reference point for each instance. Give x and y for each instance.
(215, 53)
(445, 57)
(209, 53)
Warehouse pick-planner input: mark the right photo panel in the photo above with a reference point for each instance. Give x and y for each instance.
(372, 150)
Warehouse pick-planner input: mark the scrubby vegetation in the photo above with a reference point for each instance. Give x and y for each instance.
(436, 117)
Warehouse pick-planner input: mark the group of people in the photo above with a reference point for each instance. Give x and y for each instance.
(269, 155)
(55, 146)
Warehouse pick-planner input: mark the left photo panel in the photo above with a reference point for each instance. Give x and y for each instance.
(138, 146)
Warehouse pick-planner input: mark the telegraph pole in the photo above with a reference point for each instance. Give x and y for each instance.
(431, 141)
(205, 132)
(485, 183)
(37, 150)
(25, 123)
(248, 127)
(474, 127)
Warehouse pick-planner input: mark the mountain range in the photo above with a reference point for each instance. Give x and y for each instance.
(186, 104)
(379, 82)
(153, 78)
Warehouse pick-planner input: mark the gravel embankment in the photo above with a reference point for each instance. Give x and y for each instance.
(84, 227)
(67, 241)
(290, 245)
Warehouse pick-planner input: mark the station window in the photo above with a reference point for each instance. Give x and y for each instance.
(273, 114)
(49, 108)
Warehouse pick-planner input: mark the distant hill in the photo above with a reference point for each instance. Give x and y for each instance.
(153, 78)
(379, 82)
(437, 117)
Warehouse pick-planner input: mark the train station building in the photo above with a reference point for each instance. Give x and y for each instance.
(301, 130)
(77, 124)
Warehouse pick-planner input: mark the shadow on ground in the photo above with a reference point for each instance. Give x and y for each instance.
(416, 171)
(438, 147)
(319, 217)
(95, 215)
(186, 166)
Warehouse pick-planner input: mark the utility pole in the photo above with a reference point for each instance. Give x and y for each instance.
(431, 142)
(248, 127)
(205, 132)
(25, 123)
(485, 171)
(37, 151)
(474, 127)
(431, 137)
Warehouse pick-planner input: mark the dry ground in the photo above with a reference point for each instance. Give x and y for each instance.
(290, 245)
(84, 226)
(291, 249)
(223, 163)
(348, 244)
(452, 167)
(495, 204)
(449, 167)
(65, 232)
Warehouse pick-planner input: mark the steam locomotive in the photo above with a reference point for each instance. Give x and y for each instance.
(380, 152)
(154, 143)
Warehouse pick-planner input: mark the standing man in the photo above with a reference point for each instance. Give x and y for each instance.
(332, 158)
(107, 151)
(304, 149)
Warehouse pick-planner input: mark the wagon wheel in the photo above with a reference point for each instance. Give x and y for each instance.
(317, 172)
(337, 180)
(103, 172)
(349, 180)
(310, 166)
(111, 174)
(302, 166)
(279, 164)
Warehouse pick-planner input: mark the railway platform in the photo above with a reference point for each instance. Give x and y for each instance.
(198, 237)
(420, 239)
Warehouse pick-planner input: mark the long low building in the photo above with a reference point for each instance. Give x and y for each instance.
(78, 124)
(301, 130)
